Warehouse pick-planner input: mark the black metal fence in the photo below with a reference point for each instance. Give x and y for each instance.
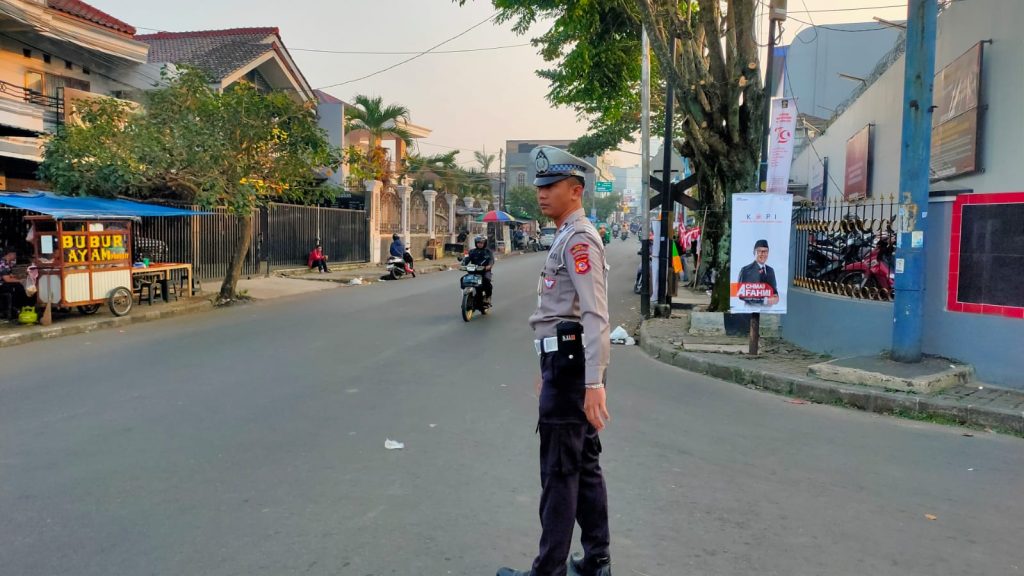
(292, 230)
(847, 248)
(206, 241)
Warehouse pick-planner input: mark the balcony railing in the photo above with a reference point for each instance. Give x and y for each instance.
(53, 104)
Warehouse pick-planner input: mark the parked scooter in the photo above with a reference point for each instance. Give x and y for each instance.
(875, 269)
(471, 284)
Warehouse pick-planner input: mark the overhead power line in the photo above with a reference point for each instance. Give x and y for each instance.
(856, 9)
(407, 60)
(372, 53)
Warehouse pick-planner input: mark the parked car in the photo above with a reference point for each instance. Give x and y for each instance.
(547, 237)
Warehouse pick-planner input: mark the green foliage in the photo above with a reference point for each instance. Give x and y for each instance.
(239, 148)
(484, 159)
(521, 201)
(606, 205)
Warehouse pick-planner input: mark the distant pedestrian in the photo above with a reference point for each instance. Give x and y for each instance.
(317, 259)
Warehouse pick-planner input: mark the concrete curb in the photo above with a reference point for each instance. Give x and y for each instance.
(823, 392)
(57, 331)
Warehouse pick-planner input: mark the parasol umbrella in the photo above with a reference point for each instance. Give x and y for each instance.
(497, 216)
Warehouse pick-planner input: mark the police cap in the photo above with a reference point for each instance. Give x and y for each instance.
(554, 165)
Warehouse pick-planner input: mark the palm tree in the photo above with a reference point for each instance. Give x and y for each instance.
(484, 160)
(378, 120)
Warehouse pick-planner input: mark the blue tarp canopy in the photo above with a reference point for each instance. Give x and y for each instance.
(86, 207)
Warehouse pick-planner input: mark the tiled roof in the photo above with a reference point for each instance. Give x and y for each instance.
(327, 98)
(84, 11)
(218, 52)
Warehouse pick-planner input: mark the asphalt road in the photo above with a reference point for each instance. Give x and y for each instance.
(250, 441)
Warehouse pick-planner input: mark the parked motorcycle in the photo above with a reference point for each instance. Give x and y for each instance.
(471, 284)
(874, 270)
(397, 267)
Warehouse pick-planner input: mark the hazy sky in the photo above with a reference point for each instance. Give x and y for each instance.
(471, 100)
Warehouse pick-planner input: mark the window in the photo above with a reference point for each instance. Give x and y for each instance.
(34, 82)
(521, 179)
(68, 65)
(46, 58)
(26, 52)
(54, 83)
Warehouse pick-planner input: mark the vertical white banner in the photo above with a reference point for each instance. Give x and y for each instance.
(780, 144)
(655, 258)
(759, 259)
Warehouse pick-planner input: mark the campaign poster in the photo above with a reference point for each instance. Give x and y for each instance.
(759, 270)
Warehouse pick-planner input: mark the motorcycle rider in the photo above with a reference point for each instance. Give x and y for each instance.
(398, 250)
(481, 255)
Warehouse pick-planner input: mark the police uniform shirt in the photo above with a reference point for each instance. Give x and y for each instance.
(573, 286)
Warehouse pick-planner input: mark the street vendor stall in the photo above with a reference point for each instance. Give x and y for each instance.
(83, 249)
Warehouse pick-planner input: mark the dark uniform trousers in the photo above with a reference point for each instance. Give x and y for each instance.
(573, 488)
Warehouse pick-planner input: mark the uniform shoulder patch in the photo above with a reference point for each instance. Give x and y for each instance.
(581, 258)
(580, 248)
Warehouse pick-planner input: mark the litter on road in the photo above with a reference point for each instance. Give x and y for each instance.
(393, 445)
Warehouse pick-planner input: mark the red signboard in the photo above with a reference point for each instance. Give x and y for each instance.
(857, 184)
(986, 260)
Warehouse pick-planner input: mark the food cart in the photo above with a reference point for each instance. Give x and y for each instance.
(83, 263)
(83, 249)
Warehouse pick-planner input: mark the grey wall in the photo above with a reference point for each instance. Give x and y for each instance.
(330, 117)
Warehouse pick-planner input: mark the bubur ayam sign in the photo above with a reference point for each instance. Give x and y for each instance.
(94, 248)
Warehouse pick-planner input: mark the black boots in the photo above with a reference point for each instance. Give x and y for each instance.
(600, 567)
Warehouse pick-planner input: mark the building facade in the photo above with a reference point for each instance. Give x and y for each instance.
(975, 258)
(53, 52)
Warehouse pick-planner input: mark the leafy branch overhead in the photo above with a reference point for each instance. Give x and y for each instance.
(595, 50)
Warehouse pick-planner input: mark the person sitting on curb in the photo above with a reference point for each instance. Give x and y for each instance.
(9, 283)
(317, 259)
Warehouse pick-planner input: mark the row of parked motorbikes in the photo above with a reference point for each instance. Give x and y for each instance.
(859, 259)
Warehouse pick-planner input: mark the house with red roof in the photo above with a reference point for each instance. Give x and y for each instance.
(53, 52)
(254, 55)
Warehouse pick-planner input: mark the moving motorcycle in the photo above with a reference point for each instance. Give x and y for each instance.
(398, 267)
(472, 284)
(624, 234)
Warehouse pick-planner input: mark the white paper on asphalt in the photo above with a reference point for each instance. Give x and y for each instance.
(759, 270)
(780, 144)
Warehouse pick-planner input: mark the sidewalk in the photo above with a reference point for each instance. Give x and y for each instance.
(368, 273)
(785, 369)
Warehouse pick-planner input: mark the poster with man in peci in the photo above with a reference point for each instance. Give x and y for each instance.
(760, 252)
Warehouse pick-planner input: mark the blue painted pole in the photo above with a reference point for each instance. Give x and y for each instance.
(912, 217)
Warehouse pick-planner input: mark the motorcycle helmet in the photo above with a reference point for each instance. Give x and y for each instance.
(478, 239)
(394, 237)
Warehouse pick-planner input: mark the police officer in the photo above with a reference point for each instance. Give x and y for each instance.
(572, 340)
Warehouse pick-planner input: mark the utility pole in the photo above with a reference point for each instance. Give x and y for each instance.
(776, 13)
(501, 180)
(664, 256)
(645, 177)
(915, 156)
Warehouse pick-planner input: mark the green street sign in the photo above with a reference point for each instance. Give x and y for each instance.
(603, 186)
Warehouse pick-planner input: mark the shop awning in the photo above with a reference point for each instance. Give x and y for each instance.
(86, 207)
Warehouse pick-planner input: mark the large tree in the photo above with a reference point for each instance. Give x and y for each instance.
(595, 51)
(239, 148)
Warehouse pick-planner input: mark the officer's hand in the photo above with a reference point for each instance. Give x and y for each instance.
(595, 408)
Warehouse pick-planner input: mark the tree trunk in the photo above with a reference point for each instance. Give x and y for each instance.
(228, 288)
